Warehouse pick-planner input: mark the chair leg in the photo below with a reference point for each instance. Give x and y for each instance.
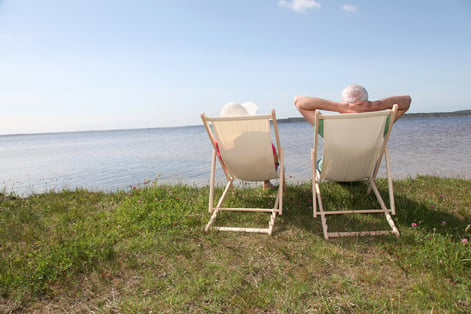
(383, 206)
(390, 183)
(321, 209)
(212, 182)
(314, 182)
(211, 220)
(281, 189)
(271, 224)
(314, 199)
(324, 226)
(224, 194)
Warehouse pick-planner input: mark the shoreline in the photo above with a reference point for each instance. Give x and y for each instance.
(4, 192)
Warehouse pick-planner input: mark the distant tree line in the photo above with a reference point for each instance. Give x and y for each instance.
(438, 114)
(407, 115)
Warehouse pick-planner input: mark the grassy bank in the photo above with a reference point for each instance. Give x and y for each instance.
(145, 250)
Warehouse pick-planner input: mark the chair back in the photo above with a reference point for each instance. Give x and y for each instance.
(353, 144)
(245, 145)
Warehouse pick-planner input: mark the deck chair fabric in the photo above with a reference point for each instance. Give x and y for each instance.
(242, 145)
(353, 148)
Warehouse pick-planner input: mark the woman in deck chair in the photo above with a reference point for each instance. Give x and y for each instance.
(249, 108)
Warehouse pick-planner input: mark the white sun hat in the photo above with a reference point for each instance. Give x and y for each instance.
(251, 107)
(234, 109)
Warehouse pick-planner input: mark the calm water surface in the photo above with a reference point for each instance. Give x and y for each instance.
(114, 160)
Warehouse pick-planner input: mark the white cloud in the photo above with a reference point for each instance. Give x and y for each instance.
(299, 5)
(349, 8)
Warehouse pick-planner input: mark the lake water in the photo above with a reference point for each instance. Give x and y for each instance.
(115, 160)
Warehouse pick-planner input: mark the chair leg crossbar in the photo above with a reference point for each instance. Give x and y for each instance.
(384, 210)
(274, 211)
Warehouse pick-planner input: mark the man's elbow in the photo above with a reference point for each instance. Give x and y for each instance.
(408, 99)
(407, 102)
(297, 102)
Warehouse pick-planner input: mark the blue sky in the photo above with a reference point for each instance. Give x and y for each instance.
(107, 64)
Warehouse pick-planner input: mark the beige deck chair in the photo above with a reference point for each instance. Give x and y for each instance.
(353, 148)
(246, 154)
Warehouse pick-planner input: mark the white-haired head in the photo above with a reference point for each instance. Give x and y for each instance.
(354, 93)
(233, 109)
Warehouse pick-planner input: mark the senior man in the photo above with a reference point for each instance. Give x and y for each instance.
(354, 100)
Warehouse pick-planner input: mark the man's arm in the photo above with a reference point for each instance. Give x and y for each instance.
(403, 103)
(308, 105)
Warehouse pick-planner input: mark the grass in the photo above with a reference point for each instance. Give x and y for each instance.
(145, 250)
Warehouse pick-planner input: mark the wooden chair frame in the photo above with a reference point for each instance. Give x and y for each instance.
(319, 176)
(211, 124)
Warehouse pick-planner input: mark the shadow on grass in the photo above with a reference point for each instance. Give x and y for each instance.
(412, 211)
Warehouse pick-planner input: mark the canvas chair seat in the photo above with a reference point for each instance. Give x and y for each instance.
(245, 153)
(353, 148)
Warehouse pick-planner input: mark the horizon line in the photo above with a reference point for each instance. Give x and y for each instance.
(465, 112)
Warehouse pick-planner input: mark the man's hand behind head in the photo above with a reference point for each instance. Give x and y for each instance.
(359, 106)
